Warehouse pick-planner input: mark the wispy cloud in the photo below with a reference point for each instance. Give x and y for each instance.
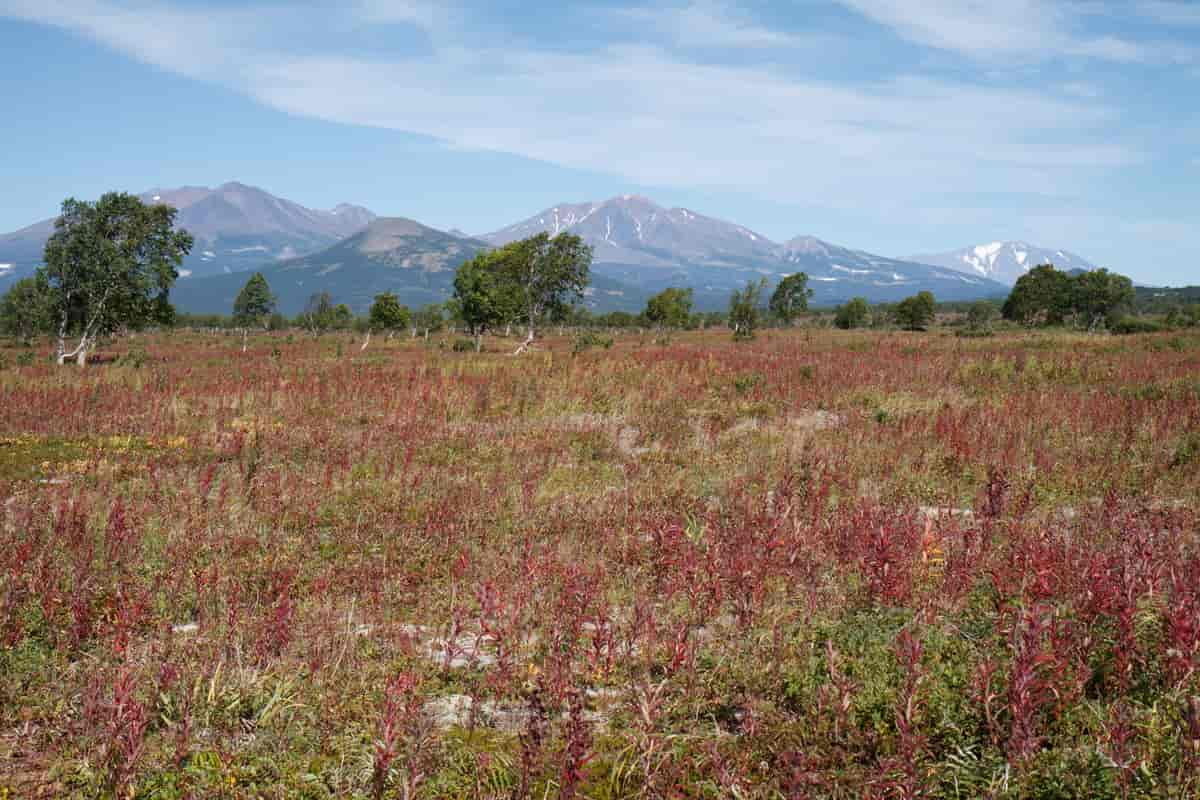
(647, 112)
(1032, 29)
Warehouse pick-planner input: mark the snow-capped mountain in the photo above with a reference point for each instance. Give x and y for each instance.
(1005, 261)
(647, 246)
(838, 273)
(633, 230)
(398, 255)
(236, 227)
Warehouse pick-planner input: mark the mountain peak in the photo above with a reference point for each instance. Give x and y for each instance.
(1004, 261)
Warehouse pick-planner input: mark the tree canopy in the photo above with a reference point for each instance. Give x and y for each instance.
(25, 309)
(254, 304)
(1048, 296)
(852, 314)
(109, 265)
(387, 314)
(1041, 296)
(1100, 295)
(916, 313)
(790, 298)
(670, 308)
(533, 281)
(744, 309)
(483, 296)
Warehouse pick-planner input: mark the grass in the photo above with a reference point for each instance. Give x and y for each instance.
(820, 564)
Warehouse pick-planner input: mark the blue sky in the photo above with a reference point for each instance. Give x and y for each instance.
(896, 126)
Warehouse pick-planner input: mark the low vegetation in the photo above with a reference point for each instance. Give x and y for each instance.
(816, 564)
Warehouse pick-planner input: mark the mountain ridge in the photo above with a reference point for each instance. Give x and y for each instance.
(1004, 261)
(236, 227)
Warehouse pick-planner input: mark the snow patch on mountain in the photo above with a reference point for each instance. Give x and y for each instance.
(1003, 261)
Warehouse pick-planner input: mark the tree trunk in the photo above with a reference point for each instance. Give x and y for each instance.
(526, 344)
(245, 335)
(366, 342)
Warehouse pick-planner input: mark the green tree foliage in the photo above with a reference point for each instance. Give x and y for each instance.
(110, 265)
(484, 297)
(981, 316)
(853, 314)
(533, 281)
(1047, 296)
(387, 315)
(1041, 296)
(26, 309)
(790, 298)
(318, 315)
(744, 310)
(1100, 295)
(428, 319)
(343, 317)
(916, 313)
(254, 304)
(547, 274)
(670, 308)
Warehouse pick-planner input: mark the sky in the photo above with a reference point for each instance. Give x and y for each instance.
(893, 126)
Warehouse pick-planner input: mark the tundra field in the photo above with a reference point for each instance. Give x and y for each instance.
(819, 564)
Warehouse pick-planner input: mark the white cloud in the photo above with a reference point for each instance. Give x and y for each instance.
(707, 23)
(645, 112)
(1030, 29)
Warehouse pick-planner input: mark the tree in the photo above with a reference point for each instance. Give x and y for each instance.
(1041, 296)
(1101, 295)
(670, 308)
(26, 309)
(916, 313)
(343, 317)
(110, 265)
(981, 315)
(791, 298)
(547, 275)
(318, 315)
(853, 314)
(387, 315)
(483, 296)
(743, 309)
(253, 306)
(428, 319)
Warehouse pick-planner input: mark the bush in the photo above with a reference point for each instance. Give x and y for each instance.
(463, 346)
(134, 358)
(1132, 325)
(853, 314)
(587, 340)
(1187, 452)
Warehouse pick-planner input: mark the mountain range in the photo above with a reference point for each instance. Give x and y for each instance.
(644, 245)
(639, 248)
(236, 227)
(1004, 261)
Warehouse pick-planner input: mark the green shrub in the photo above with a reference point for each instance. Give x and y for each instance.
(134, 358)
(1187, 452)
(1131, 325)
(587, 340)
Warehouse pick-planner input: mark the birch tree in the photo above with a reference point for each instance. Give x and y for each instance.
(111, 265)
(547, 275)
